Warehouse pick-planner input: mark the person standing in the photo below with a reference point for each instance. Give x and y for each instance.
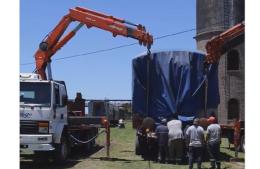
(213, 140)
(195, 140)
(162, 135)
(79, 105)
(237, 129)
(176, 140)
(121, 123)
(147, 143)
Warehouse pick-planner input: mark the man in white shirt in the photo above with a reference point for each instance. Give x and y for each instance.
(213, 139)
(176, 140)
(195, 138)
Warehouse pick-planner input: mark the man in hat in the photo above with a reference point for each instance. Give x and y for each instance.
(79, 105)
(162, 135)
(195, 140)
(213, 140)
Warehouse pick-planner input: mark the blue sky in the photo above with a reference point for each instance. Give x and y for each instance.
(108, 74)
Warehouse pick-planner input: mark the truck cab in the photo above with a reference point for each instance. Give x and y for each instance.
(43, 113)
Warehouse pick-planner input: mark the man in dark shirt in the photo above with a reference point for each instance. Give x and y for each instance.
(148, 144)
(162, 134)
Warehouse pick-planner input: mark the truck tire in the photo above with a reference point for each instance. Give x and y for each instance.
(242, 143)
(92, 143)
(40, 157)
(88, 145)
(62, 150)
(137, 147)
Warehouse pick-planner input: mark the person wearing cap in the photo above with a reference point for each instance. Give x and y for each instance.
(162, 135)
(176, 140)
(195, 140)
(213, 140)
(79, 105)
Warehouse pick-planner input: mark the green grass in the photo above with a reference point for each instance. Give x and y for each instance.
(122, 155)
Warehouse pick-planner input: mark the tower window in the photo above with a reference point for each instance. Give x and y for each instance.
(233, 109)
(233, 60)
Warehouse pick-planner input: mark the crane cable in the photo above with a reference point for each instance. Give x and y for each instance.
(131, 44)
(113, 48)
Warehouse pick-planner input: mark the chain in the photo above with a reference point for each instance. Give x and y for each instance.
(85, 142)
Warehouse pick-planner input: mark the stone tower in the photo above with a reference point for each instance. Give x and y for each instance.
(212, 18)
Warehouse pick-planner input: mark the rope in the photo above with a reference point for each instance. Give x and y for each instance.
(85, 142)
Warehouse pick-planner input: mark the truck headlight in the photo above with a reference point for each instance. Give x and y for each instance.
(43, 127)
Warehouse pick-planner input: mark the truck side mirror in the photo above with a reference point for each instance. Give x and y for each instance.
(64, 100)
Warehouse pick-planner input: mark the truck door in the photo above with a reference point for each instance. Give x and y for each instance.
(59, 108)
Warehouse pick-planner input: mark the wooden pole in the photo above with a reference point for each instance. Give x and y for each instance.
(108, 138)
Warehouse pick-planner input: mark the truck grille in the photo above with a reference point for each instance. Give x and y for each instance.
(28, 127)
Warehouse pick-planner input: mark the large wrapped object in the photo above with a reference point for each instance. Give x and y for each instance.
(170, 83)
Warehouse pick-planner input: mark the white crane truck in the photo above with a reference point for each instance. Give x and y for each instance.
(47, 121)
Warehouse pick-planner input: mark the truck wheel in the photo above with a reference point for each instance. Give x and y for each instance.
(137, 146)
(93, 142)
(40, 157)
(88, 144)
(242, 143)
(62, 150)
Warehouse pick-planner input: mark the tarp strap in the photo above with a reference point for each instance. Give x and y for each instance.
(147, 81)
(206, 89)
(203, 81)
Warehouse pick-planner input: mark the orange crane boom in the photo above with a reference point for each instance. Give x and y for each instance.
(54, 40)
(215, 48)
(215, 45)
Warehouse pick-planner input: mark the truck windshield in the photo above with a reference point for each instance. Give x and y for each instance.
(35, 93)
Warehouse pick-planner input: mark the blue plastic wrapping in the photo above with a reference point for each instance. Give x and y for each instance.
(170, 83)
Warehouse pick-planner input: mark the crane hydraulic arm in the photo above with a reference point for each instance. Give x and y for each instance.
(217, 46)
(214, 47)
(54, 40)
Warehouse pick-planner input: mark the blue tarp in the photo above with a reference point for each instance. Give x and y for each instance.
(171, 83)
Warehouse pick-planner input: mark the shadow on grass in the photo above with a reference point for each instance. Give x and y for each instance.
(231, 149)
(211, 168)
(223, 157)
(227, 157)
(113, 159)
(126, 151)
(76, 156)
(46, 164)
(78, 153)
